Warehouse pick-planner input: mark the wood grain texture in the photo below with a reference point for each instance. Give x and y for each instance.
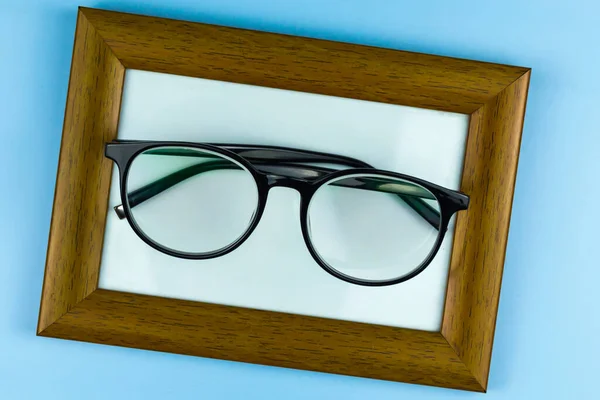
(264, 337)
(83, 178)
(480, 238)
(72, 307)
(302, 64)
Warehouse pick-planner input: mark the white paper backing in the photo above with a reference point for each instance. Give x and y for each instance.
(273, 270)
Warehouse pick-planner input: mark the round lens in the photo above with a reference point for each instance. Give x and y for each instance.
(373, 227)
(190, 200)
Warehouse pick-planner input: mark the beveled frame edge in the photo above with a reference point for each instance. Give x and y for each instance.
(72, 306)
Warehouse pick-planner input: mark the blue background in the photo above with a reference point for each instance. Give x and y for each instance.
(546, 343)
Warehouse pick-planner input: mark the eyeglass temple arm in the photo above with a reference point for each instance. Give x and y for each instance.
(260, 158)
(414, 199)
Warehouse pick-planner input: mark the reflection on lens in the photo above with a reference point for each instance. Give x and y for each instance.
(191, 200)
(373, 227)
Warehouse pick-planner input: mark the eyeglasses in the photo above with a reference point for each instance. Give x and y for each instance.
(360, 224)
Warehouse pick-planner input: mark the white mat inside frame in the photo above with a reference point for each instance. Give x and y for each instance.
(273, 270)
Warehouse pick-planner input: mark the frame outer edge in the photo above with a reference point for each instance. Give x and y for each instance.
(70, 283)
(91, 117)
(44, 301)
(473, 295)
(207, 51)
(264, 337)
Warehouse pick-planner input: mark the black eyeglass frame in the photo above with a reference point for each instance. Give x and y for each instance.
(124, 152)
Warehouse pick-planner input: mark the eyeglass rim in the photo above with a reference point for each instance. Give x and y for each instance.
(123, 153)
(304, 216)
(184, 254)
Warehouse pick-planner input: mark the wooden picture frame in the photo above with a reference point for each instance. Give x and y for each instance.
(107, 43)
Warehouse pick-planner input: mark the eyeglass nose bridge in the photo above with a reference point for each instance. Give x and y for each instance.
(298, 184)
